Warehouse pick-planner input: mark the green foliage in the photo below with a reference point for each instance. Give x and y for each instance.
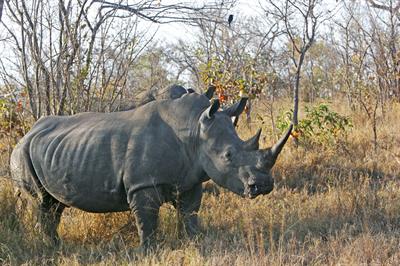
(320, 125)
(233, 80)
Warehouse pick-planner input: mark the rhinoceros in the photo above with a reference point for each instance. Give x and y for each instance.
(139, 159)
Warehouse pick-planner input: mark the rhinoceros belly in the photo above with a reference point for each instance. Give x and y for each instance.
(82, 167)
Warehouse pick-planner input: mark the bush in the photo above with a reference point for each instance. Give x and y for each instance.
(320, 125)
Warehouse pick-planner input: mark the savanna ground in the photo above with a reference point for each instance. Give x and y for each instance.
(336, 204)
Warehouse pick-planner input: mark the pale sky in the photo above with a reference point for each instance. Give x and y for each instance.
(248, 8)
(179, 30)
(174, 31)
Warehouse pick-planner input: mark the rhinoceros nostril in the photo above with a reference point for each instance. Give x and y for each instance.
(253, 189)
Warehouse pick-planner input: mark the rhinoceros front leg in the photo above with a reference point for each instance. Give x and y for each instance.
(145, 205)
(188, 205)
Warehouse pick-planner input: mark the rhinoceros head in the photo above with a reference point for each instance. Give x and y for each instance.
(237, 165)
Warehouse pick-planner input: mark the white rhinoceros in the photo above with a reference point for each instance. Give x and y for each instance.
(138, 159)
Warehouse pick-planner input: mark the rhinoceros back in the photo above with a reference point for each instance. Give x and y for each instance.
(92, 160)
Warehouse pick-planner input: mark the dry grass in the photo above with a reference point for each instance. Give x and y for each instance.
(332, 206)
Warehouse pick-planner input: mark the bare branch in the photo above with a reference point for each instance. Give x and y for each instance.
(182, 12)
(381, 6)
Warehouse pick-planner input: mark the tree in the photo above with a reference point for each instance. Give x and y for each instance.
(393, 6)
(82, 58)
(319, 73)
(370, 58)
(236, 59)
(71, 62)
(1, 8)
(300, 19)
(160, 13)
(391, 23)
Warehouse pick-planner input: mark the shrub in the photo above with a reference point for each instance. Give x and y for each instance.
(320, 125)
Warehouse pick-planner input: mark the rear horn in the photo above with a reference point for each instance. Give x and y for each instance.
(252, 143)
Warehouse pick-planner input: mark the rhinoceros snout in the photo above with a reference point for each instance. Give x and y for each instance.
(255, 189)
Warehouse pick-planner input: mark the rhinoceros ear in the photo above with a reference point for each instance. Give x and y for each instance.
(211, 110)
(237, 108)
(210, 92)
(176, 91)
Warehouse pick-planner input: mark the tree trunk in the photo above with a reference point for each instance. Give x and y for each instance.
(296, 89)
(1, 8)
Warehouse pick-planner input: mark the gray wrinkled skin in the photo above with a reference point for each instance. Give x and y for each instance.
(139, 159)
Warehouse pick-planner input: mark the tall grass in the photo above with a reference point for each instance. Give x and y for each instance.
(332, 205)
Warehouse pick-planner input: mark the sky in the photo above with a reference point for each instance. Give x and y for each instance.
(174, 31)
(165, 32)
(247, 8)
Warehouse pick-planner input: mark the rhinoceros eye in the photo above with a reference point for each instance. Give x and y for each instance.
(228, 155)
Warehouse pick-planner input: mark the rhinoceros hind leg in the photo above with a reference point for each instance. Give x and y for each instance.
(50, 211)
(145, 205)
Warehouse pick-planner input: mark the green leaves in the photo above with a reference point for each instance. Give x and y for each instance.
(320, 126)
(233, 80)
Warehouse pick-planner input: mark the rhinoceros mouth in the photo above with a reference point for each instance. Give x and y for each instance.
(255, 190)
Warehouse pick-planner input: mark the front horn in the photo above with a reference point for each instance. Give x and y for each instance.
(277, 148)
